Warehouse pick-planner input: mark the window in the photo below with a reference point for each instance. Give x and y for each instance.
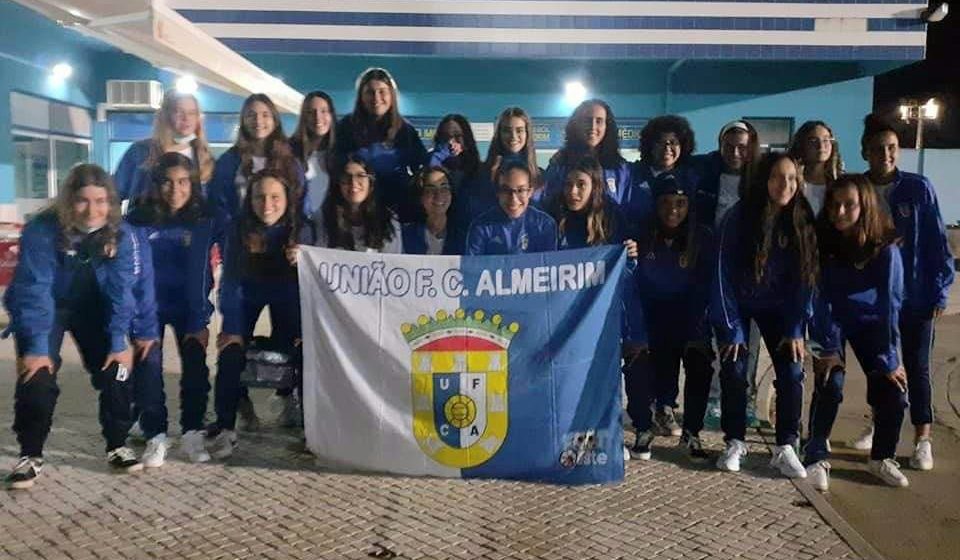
(42, 161)
(774, 132)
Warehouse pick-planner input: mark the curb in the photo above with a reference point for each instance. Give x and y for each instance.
(846, 531)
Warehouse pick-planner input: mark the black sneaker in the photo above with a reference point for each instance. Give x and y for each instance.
(641, 447)
(24, 474)
(123, 459)
(665, 421)
(693, 446)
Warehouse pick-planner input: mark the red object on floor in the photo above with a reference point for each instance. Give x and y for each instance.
(9, 251)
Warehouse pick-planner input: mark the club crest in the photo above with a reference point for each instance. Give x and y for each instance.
(459, 368)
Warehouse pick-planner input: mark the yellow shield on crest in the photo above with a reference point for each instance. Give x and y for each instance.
(459, 381)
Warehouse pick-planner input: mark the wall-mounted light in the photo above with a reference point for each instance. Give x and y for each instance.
(187, 85)
(575, 92)
(61, 72)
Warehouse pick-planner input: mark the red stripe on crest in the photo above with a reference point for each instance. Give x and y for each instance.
(460, 343)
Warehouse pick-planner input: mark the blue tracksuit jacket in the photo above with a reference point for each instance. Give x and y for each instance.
(869, 298)
(44, 284)
(734, 289)
(494, 233)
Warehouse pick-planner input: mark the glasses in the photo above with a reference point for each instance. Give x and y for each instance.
(348, 178)
(510, 193)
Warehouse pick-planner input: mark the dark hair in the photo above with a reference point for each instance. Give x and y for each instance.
(759, 222)
(874, 228)
(251, 228)
(470, 157)
(80, 176)
(154, 206)
(418, 182)
(874, 124)
(304, 139)
(658, 126)
(574, 143)
(685, 241)
(798, 148)
(505, 169)
(279, 156)
(377, 218)
(367, 129)
(599, 220)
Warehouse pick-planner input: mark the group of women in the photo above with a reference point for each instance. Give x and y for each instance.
(717, 242)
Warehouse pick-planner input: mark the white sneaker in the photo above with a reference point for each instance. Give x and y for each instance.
(888, 471)
(818, 475)
(729, 460)
(193, 446)
(785, 459)
(223, 444)
(922, 459)
(863, 442)
(626, 454)
(155, 453)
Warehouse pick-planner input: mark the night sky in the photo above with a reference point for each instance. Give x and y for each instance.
(937, 76)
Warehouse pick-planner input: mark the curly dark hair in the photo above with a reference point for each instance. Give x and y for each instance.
(658, 126)
(377, 218)
(759, 222)
(575, 145)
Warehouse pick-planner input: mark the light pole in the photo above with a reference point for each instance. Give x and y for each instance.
(913, 110)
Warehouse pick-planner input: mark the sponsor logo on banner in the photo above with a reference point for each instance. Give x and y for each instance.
(459, 368)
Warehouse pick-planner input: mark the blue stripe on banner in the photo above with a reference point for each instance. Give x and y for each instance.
(483, 21)
(567, 50)
(445, 385)
(897, 24)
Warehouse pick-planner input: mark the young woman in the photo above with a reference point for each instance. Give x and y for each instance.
(927, 269)
(584, 213)
(767, 271)
(592, 130)
(313, 144)
(815, 147)
(259, 270)
(667, 320)
(721, 171)
(455, 149)
(666, 144)
(858, 302)
(353, 216)
(513, 144)
(75, 274)
(177, 127)
(260, 145)
(181, 229)
(378, 134)
(433, 233)
(513, 226)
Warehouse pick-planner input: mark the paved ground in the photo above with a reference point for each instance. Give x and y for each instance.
(270, 502)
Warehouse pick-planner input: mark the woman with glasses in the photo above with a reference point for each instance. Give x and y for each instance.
(514, 226)
(431, 233)
(815, 147)
(353, 217)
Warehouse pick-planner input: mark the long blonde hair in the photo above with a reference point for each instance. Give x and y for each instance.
(162, 139)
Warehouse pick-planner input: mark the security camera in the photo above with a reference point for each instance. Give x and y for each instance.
(935, 14)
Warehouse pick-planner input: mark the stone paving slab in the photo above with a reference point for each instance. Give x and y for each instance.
(270, 501)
